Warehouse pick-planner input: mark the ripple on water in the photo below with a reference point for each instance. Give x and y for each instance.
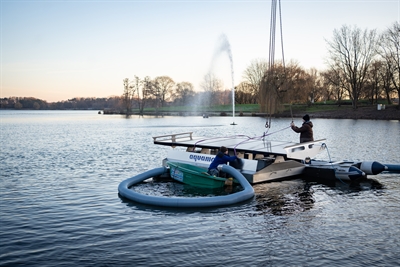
(59, 177)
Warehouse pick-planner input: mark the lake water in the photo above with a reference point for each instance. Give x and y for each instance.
(59, 202)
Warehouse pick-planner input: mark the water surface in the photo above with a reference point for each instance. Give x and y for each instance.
(59, 178)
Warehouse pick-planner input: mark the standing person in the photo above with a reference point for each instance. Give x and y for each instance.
(221, 158)
(306, 132)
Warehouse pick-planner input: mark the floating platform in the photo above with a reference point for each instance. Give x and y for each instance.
(259, 160)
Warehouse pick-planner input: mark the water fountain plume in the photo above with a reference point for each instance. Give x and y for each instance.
(224, 46)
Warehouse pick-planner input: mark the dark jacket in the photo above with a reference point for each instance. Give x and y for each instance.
(221, 158)
(306, 132)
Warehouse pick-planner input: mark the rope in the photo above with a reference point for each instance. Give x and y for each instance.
(272, 34)
(283, 56)
(248, 137)
(271, 63)
(258, 137)
(330, 161)
(265, 134)
(291, 113)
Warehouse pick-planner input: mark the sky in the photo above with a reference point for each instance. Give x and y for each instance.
(58, 50)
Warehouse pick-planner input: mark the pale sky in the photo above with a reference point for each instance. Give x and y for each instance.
(56, 50)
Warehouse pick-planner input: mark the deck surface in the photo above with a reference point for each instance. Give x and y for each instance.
(240, 143)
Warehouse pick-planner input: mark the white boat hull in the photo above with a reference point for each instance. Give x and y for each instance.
(255, 171)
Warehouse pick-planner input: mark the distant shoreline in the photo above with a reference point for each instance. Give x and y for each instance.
(343, 112)
(369, 113)
(390, 112)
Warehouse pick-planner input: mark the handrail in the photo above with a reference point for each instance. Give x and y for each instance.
(173, 137)
(305, 143)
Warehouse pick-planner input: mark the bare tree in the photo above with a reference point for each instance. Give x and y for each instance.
(254, 74)
(389, 49)
(272, 89)
(211, 85)
(18, 105)
(333, 83)
(127, 96)
(290, 84)
(163, 87)
(297, 80)
(327, 92)
(184, 93)
(147, 87)
(374, 86)
(314, 83)
(224, 96)
(137, 87)
(244, 94)
(351, 52)
(386, 77)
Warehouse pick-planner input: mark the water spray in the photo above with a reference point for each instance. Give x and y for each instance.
(225, 46)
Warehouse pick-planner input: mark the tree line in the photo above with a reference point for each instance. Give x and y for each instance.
(113, 102)
(163, 91)
(361, 64)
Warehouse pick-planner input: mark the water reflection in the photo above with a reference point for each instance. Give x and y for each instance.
(277, 198)
(289, 197)
(347, 186)
(283, 198)
(60, 172)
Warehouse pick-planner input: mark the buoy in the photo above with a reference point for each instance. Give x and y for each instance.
(372, 167)
(393, 168)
